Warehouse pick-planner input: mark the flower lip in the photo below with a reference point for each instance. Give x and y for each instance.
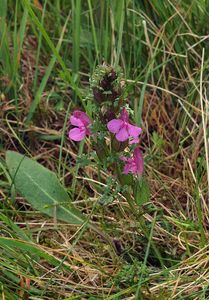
(123, 130)
(77, 134)
(82, 117)
(81, 122)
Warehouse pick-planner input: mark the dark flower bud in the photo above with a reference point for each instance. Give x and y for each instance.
(108, 116)
(98, 95)
(114, 95)
(105, 84)
(118, 246)
(112, 76)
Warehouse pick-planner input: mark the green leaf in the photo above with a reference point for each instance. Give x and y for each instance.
(3, 8)
(141, 192)
(29, 247)
(41, 188)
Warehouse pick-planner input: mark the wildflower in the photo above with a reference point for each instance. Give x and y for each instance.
(81, 121)
(134, 165)
(123, 129)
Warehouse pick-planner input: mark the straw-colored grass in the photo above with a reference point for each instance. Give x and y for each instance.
(48, 50)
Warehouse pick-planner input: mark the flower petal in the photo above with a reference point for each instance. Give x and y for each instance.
(130, 167)
(134, 130)
(82, 116)
(77, 134)
(134, 141)
(76, 121)
(139, 161)
(126, 169)
(114, 125)
(122, 134)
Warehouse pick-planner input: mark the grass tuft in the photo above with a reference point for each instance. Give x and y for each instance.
(48, 51)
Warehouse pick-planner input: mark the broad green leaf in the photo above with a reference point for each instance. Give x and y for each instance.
(41, 188)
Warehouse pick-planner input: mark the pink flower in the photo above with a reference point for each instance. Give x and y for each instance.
(123, 129)
(81, 121)
(134, 165)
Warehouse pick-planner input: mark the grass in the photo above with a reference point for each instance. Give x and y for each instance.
(48, 50)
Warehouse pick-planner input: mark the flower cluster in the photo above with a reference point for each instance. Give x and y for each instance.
(123, 131)
(108, 98)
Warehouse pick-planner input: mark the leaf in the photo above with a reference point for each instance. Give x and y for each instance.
(41, 188)
(141, 192)
(33, 249)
